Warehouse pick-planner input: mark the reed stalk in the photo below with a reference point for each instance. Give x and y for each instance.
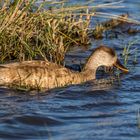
(47, 31)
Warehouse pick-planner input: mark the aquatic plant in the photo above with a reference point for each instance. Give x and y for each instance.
(128, 51)
(45, 31)
(29, 32)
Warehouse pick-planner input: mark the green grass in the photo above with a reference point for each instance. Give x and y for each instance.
(48, 31)
(130, 52)
(28, 32)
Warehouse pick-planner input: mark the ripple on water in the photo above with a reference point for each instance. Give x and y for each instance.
(28, 126)
(88, 111)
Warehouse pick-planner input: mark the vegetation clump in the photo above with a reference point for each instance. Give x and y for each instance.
(30, 31)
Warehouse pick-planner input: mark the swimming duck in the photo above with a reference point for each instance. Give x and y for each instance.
(48, 75)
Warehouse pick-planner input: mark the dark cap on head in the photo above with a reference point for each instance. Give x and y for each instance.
(106, 49)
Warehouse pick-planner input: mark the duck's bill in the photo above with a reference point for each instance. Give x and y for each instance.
(121, 67)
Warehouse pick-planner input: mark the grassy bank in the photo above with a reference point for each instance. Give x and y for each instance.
(31, 32)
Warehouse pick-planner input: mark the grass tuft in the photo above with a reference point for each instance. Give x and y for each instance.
(28, 32)
(48, 30)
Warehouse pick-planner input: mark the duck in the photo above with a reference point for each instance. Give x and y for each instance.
(47, 75)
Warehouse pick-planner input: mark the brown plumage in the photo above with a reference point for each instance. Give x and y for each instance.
(44, 74)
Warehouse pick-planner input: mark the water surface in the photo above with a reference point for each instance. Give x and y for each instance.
(80, 112)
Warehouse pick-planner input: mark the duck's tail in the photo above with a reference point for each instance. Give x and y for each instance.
(4, 75)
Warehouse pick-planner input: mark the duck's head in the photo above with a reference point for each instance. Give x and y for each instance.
(104, 56)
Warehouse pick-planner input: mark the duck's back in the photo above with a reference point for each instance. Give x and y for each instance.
(35, 74)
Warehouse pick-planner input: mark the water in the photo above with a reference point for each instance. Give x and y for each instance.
(80, 112)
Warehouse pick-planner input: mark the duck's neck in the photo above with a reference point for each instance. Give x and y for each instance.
(92, 64)
(77, 78)
(90, 68)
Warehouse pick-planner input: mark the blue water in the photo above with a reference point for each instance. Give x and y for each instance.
(107, 111)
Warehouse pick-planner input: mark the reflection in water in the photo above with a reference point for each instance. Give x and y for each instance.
(99, 109)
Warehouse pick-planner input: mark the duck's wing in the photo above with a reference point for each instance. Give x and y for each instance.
(33, 63)
(36, 74)
(41, 64)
